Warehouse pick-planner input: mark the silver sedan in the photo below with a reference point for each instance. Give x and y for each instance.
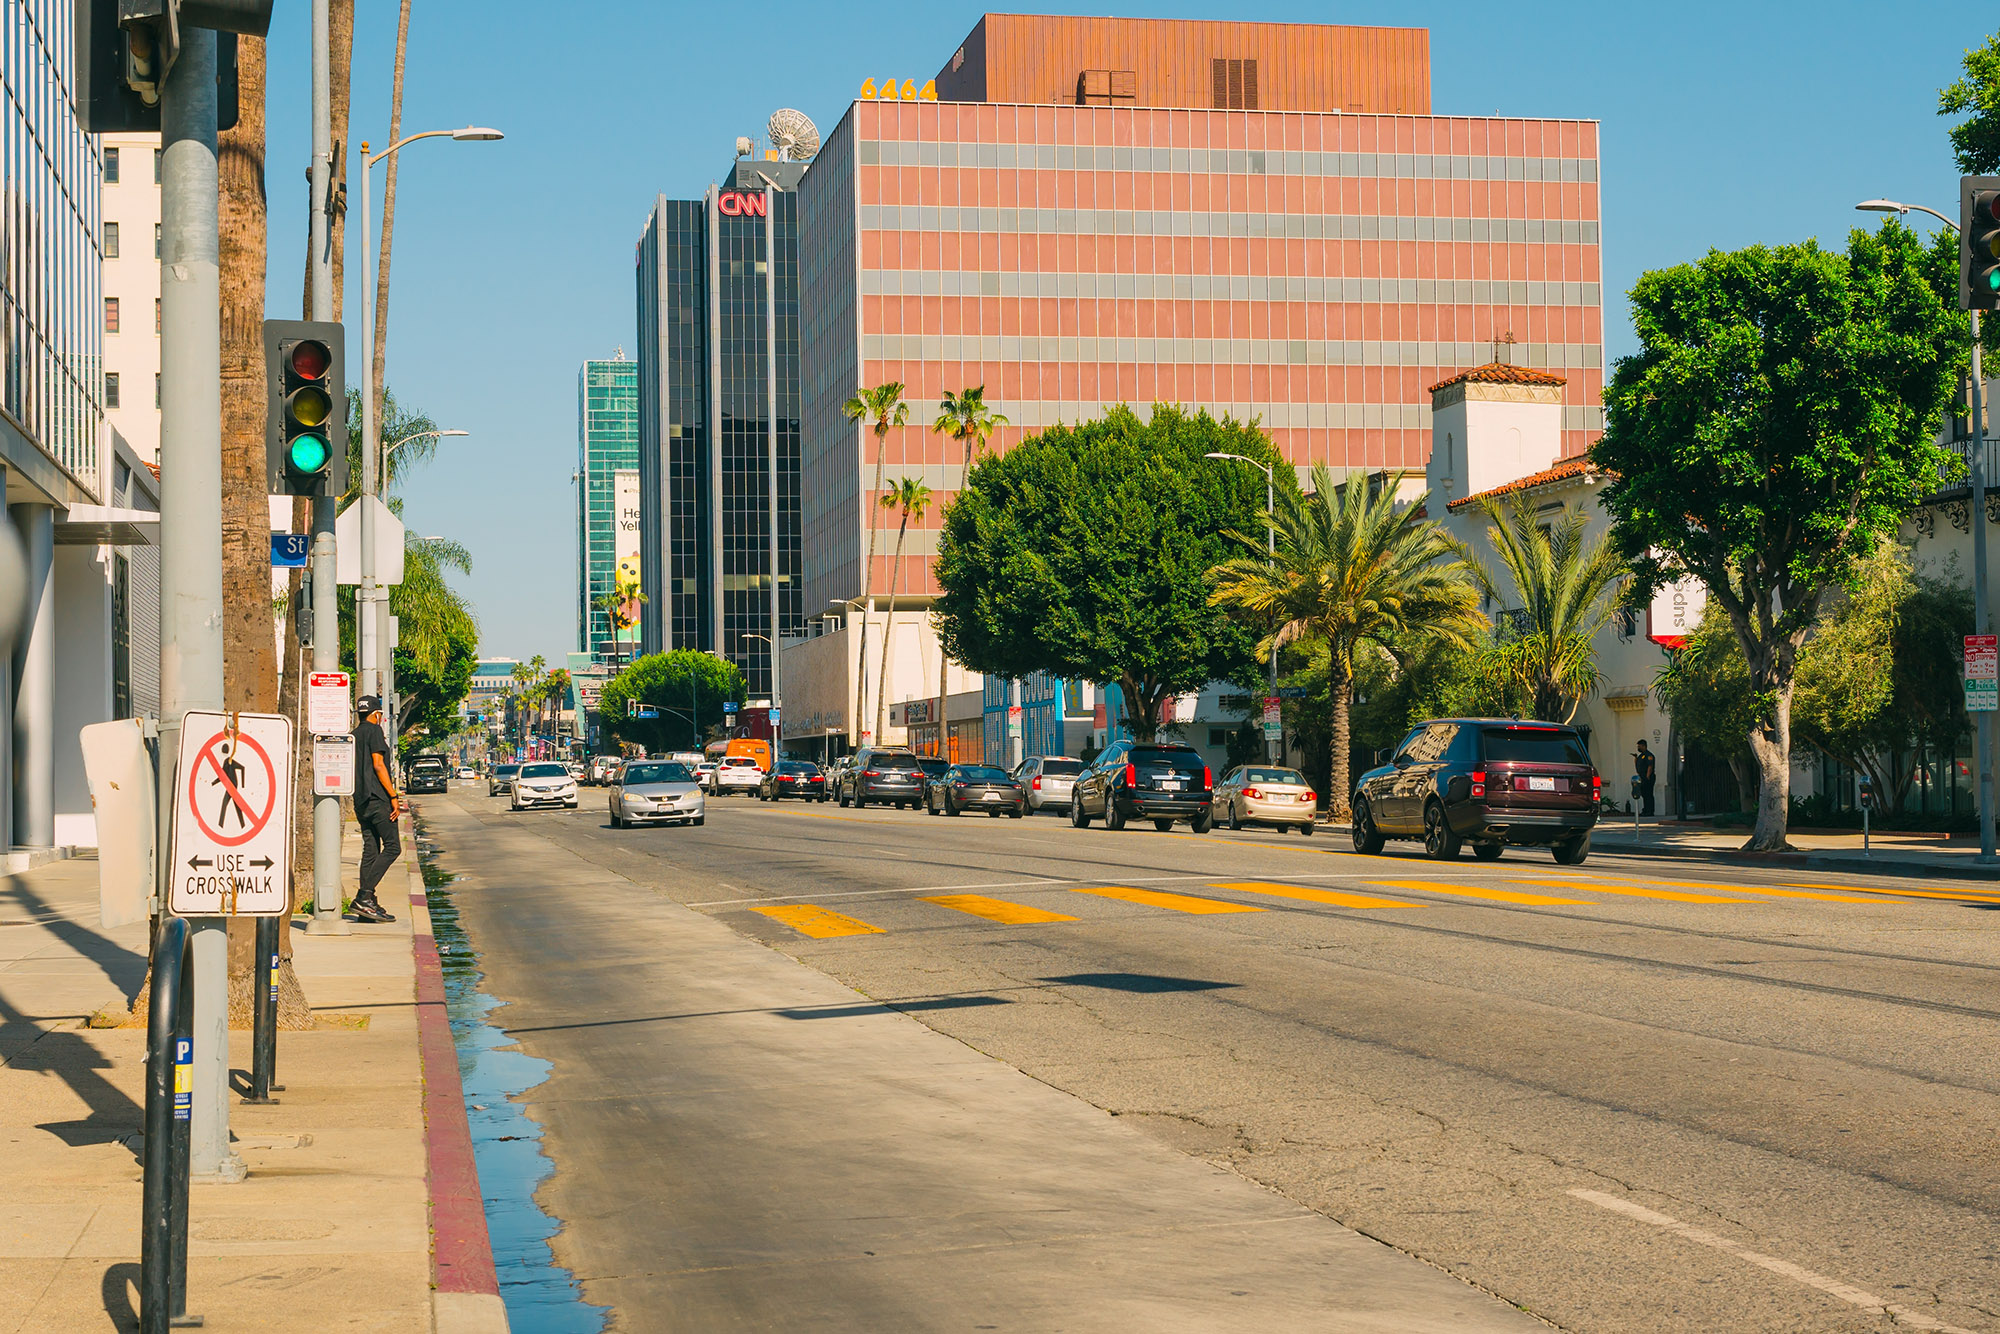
(655, 792)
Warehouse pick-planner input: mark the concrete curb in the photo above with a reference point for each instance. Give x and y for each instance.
(465, 1297)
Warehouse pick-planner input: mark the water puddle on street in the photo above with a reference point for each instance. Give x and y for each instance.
(541, 1296)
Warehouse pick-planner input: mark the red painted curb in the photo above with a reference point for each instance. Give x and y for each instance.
(461, 1250)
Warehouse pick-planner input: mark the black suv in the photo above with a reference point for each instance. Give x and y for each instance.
(428, 773)
(878, 774)
(1161, 781)
(1489, 782)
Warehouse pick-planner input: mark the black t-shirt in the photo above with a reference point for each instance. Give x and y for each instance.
(368, 743)
(1644, 762)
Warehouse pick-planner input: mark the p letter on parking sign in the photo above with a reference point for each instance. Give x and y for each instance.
(232, 816)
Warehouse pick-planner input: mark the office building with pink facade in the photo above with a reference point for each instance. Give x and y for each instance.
(1274, 248)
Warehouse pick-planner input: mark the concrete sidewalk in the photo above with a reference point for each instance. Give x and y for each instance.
(329, 1231)
(1900, 854)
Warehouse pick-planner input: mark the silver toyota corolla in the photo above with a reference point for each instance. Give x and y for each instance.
(655, 791)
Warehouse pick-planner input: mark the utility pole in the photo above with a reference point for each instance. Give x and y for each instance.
(191, 609)
(771, 424)
(325, 591)
(1983, 614)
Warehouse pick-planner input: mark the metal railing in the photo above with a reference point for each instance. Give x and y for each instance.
(169, 1109)
(1962, 447)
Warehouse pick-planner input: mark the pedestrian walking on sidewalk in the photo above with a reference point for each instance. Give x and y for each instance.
(377, 805)
(1646, 769)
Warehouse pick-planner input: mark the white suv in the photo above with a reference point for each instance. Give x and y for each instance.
(736, 773)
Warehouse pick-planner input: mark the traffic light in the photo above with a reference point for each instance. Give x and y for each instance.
(1979, 243)
(305, 432)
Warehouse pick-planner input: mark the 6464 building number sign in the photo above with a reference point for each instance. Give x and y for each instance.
(232, 816)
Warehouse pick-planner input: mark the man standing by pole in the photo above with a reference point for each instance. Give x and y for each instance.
(1646, 769)
(377, 807)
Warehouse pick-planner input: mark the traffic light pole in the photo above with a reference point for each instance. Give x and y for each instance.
(191, 605)
(367, 624)
(325, 592)
(1983, 616)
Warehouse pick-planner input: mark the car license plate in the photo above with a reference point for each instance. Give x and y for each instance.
(1541, 785)
(991, 796)
(1171, 784)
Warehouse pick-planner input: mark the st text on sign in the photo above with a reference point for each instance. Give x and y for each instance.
(232, 816)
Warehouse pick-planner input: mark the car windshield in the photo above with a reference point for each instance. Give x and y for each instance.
(1534, 745)
(544, 771)
(980, 773)
(1163, 755)
(657, 773)
(894, 762)
(1273, 776)
(424, 764)
(508, 769)
(1062, 766)
(739, 762)
(797, 767)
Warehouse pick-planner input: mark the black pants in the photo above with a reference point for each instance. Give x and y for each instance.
(1645, 799)
(380, 846)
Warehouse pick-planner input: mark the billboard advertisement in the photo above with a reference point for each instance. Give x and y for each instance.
(625, 549)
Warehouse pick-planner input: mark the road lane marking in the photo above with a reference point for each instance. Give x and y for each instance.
(1676, 895)
(1329, 896)
(1833, 1287)
(997, 910)
(1581, 883)
(810, 919)
(1154, 898)
(1969, 897)
(1467, 891)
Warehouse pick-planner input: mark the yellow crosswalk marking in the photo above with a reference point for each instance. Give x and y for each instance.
(997, 910)
(1633, 891)
(1479, 892)
(811, 920)
(1154, 898)
(1330, 896)
(1581, 883)
(1971, 897)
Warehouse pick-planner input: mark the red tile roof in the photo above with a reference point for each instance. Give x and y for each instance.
(1562, 471)
(1496, 372)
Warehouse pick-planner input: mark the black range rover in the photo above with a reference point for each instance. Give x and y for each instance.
(1490, 782)
(428, 773)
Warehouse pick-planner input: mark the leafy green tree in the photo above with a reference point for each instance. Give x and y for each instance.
(966, 418)
(1355, 569)
(1403, 683)
(884, 409)
(1565, 588)
(1777, 423)
(1085, 552)
(910, 499)
(1705, 688)
(687, 686)
(1975, 141)
(430, 689)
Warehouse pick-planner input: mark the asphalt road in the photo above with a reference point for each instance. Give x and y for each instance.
(1630, 1096)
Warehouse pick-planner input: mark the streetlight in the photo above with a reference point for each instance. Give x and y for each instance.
(420, 435)
(1984, 613)
(370, 646)
(777, 698)
(1271, 747)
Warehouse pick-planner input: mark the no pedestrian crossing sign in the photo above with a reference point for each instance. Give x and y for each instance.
(232, 816)
(1982, 673)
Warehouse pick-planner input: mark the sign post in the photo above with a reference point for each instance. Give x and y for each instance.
(232, 838)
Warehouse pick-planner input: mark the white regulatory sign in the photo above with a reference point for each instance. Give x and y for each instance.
(328, 707)
(333, 766)
(232, 816)
(1982, 673)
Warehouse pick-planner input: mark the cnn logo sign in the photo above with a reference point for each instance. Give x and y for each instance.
(743, 204)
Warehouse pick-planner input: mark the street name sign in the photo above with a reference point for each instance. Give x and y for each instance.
(327, 702)
(232, 838)
(1982, 673)
(290, 550)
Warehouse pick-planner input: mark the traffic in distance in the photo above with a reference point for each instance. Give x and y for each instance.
(1451, 784)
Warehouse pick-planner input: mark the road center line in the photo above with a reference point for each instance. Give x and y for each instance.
(1833, 1287)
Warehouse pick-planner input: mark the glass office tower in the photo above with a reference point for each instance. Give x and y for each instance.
(607, 498)
(718, 369)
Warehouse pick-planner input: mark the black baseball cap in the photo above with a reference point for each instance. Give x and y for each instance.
(368, 704)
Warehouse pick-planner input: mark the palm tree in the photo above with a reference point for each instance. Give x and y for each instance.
(1566, 590)
(964, 417)
(381, 294)
(910, 498)
(1351, 569)
(884, 403)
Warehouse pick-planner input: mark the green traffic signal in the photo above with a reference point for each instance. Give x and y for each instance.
(308, 455)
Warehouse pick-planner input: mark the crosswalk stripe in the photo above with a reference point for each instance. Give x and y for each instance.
(1472, 892)
(1633, 891)
(1581, 883)
(1969, 897)
(1329, 896)
(997, 910)
(810, 919)
(1153, 898)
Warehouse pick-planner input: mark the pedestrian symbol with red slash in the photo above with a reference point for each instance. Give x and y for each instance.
(232, 816)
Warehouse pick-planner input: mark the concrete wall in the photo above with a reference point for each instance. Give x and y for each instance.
(83, 680)
(819, 676)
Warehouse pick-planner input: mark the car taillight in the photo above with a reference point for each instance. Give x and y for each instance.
(1037, 785)
(1207, 776)
(1252, 793)
(1310, 796)
(1131, 775)
(1597, 783)
(1478, 782)
(871, 773)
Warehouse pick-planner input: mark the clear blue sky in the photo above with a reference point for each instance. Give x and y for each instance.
(1724, 124)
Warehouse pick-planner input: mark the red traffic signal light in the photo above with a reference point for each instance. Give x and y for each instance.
(310, 359)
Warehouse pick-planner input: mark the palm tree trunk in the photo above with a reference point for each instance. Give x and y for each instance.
(1339, 777)
(943, 662)
(889, 636)
(867, 582)
(388, 215)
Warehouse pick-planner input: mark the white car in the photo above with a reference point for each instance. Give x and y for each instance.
(544, 783)
(466, 772)
(1048, 780)
(736, 773)
(704, 775)
(655, 791)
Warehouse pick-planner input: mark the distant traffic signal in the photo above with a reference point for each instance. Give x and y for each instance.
(1979, 243)
(305, 433)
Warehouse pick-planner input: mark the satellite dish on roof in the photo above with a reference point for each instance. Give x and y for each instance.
(794, 135)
